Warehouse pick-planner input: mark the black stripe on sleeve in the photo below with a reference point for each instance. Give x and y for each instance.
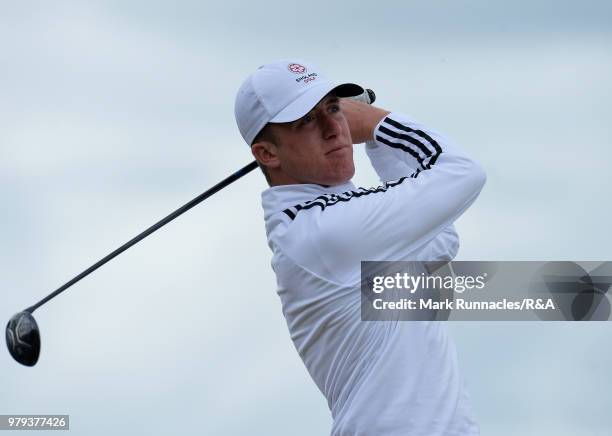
(415, 131)
(328, 200)
(405, 137)
(415, 174)
(402, 147)
(431, 159)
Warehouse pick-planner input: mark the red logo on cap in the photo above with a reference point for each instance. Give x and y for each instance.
(297, 68)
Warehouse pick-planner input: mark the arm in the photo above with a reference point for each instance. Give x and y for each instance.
(396, 220)
(394, 149)
(393, 162)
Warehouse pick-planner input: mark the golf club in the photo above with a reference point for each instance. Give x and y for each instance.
(22, 333)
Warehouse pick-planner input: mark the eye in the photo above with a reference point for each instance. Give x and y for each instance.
(334, 108)
(307, 119)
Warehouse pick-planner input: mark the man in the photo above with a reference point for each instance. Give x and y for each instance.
(380, 378)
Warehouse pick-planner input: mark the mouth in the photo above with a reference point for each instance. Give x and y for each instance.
(336, 149)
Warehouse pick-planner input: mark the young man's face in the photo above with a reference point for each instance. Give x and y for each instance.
(317, 148)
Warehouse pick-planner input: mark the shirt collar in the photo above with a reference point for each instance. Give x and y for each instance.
(278, 198)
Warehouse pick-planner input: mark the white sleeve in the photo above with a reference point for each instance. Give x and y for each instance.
(402, 146)
(394, 220)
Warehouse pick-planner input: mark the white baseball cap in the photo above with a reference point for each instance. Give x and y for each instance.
(281, 92)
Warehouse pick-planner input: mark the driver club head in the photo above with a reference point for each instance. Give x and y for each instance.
(23, 338)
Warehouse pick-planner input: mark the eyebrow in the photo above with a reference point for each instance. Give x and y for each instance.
(328, 100)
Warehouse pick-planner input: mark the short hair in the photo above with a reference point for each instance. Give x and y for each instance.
(265, 134)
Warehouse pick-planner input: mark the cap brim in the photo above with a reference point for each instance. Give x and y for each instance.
(304, 103)
(348, 90)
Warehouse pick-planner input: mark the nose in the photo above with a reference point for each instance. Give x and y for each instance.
(330, 126)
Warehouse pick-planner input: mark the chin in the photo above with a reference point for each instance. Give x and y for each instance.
(342, 175)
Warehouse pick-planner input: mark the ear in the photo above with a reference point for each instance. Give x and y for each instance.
(266, 153)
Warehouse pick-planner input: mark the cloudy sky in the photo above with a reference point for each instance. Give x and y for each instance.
(114, 113)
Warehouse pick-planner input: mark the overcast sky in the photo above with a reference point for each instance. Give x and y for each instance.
(114, 113)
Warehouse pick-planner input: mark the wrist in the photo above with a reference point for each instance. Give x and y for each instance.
(373, 117)
(362, 119)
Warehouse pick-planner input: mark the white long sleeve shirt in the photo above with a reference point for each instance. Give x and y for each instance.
(380, 378)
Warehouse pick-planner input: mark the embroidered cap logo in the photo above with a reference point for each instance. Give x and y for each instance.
(297, 68)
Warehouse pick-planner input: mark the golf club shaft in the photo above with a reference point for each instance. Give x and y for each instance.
(222, 184)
